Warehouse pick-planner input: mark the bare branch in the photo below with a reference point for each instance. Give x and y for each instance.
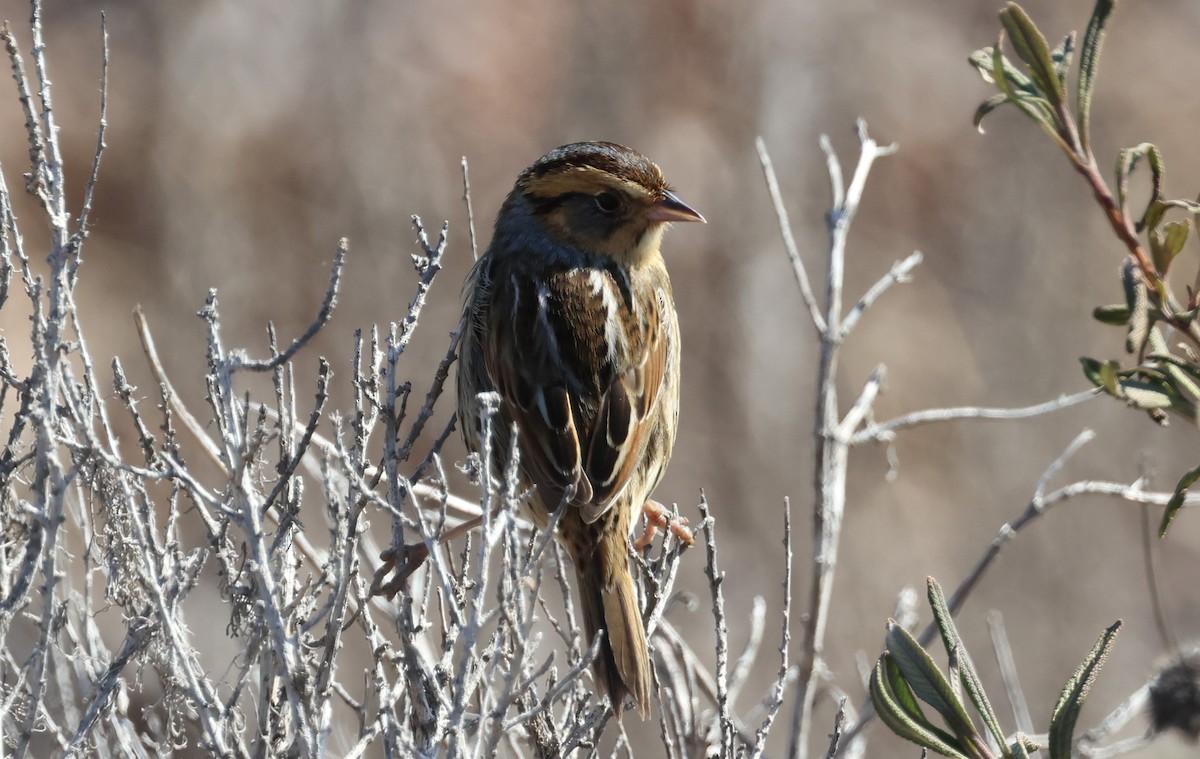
(789, 242)
(901, 272)
(885, 431)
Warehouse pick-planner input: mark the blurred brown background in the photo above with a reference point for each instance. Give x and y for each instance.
(246, 138)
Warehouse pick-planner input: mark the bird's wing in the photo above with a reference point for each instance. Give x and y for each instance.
(579, 366)
(616, 442)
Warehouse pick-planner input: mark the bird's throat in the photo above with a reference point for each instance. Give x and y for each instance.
(645, 249)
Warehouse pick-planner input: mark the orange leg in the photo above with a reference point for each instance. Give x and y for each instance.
(659, 517)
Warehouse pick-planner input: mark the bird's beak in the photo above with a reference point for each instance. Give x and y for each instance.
(671, 208)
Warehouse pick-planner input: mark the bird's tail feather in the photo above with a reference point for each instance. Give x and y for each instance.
(610, 604)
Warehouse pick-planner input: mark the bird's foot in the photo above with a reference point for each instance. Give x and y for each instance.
(659, 517)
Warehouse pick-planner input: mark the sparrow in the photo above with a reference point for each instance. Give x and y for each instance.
(569, 318)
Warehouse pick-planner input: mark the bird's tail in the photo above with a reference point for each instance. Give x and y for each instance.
(610, 604)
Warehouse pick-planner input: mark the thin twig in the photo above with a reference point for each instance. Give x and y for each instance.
(789, 242)
(89, 189)
(900, 272)
(239, 361)
(839, 721)
(829, 472)
(775, 700)
(885, 431)
(466, 176)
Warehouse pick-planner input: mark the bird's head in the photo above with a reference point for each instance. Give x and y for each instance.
(602, 198)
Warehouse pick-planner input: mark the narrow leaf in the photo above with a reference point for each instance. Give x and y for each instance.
(957, 650)
(1036, 108)
(1032, 48)
(1166, 244)
(1116, 315)
(1176, 502)
(1089, 60)
(1018, 750)
(1127, 161)
(1177, 234)
(1190, 206)
(1061, 55)
(929, 684)
(894, 702)
(986, 107)
(982, 61)
(1184, 374)
(1145, 396)
(1066, 711)
(1092, 369)
(1109, 379)
(1130, 280)
(1139, 316)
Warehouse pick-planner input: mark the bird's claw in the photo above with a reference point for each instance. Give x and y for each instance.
(659, 517)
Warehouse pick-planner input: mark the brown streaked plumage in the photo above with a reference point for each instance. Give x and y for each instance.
(570, 319)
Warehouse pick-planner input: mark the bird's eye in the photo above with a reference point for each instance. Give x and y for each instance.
(607, 202)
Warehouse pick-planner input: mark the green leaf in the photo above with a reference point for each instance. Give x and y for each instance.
(1027, 743)
(1075, 692)
(1139, 315)
(1166, 244)
(898, 709)
(1089, 59)
(1096, 373)
(1145, 395)
(1061, 55)
(1130, 281)
(1156, 209)
(1036, 108)
(1184, 374)
(986, 107)
(931, 686)
(1031, 47)
(1127, 161)
(1190, 206)
(982, 61)
(1115, 315)
(1019, 749)
(1176, 502)
(1109, 378)
(956, 650)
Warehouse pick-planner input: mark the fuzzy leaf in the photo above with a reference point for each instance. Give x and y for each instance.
(1032, 48)
(1139, 316)
(930, 685)
(1176, 502)
(986, 107)
(957, 651)
(1184, 374)
(1115, 315)
(1089, 60)
(1145, 395)
(1061, 55)
(1019, 749)
(1166, 244)
(1127, 161)
(1066, 711)
(1109, 379)
(982, 61)
(897, 707)
(1035, 107)
(1156, 209)
(1099, 373)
